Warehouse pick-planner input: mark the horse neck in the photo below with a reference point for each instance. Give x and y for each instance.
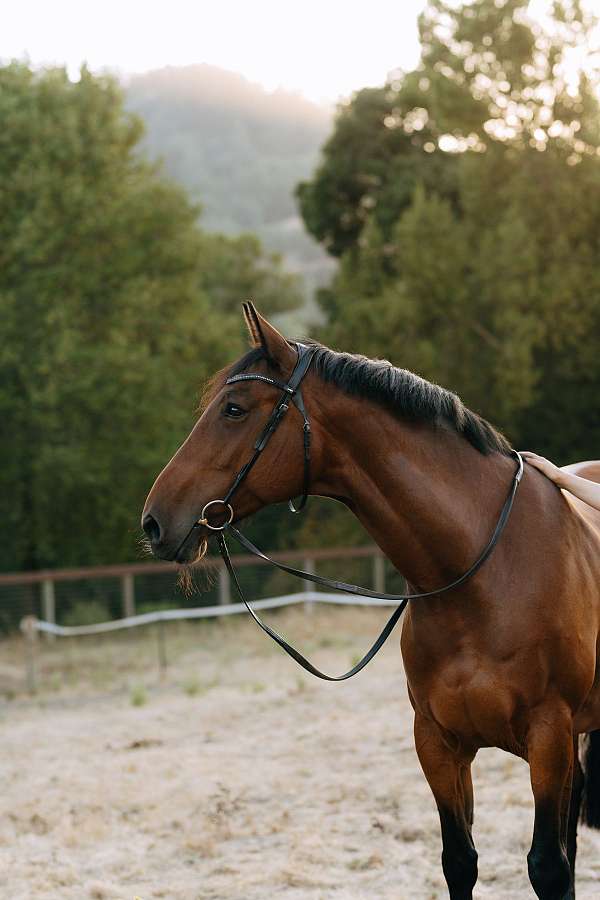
(428, 498)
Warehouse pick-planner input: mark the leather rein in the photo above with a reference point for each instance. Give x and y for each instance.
(291, 394)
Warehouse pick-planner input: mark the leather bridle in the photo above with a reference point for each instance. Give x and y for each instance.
(291, 393)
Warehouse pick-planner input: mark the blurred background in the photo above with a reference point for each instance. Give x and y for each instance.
(418, 181)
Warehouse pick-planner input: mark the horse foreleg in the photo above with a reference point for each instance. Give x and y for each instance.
(573, 815)
(449, 776)
(550, 754)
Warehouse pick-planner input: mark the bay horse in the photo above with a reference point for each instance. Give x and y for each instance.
(508, 659)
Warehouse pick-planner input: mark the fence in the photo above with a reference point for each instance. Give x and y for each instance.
(71, 602)
(30, 626)
(74, 596)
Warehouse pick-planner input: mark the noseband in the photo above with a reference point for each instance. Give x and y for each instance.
(291, 393)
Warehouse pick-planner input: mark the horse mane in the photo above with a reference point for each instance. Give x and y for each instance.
(404, 394)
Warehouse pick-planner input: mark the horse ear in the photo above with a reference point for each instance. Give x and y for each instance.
(250, 318)
(265, 335)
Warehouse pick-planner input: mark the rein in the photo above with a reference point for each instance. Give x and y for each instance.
(291, 393)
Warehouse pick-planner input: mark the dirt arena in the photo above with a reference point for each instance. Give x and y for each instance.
(239, 777)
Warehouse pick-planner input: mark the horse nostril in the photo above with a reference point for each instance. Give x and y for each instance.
(152, 528)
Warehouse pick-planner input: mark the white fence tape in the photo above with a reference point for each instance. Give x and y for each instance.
(205, 612)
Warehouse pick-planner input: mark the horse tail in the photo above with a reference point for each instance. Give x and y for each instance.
(590, 809)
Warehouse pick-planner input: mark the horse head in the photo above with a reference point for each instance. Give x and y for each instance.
(201, 474)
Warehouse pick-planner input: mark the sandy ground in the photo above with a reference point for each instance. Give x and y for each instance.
(243, 778)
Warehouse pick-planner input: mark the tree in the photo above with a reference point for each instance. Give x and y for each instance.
(478, 270)
(370, 168)
(493, 73)
(113, 308)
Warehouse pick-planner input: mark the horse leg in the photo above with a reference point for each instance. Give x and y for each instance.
(573, 815)
(449, 776)
(467, 783)
(550, 753)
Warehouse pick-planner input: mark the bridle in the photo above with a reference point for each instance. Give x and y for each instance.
(291, 393)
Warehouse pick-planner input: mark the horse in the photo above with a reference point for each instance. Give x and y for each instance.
(508, 659)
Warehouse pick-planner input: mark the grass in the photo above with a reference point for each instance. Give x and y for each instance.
(194, 686)
(138, 695)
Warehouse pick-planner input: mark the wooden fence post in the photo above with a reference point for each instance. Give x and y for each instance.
(379, 573)
(224, 587)
(30, 638)
(48, 605)
(127, 595)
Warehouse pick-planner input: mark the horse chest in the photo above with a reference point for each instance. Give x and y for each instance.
(473, 702)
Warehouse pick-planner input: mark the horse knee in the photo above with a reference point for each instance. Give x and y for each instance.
(550, 874)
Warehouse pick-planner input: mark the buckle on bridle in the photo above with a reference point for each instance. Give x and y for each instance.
(204, 521)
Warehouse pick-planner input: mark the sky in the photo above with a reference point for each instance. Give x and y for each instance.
(324, 49)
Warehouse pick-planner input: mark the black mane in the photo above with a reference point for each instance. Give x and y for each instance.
(401, 392)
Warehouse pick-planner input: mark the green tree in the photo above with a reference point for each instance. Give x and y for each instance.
(114, 307)
(236, 267)
(479, 271)
(492, 73)
(370, 167)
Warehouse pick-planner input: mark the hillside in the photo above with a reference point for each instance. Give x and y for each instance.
(238, 150)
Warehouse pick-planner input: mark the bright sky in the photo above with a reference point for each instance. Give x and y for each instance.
(323, 48)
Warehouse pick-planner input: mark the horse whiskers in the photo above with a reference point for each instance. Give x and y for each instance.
(202, 548)
(185, 579)
(145, 546)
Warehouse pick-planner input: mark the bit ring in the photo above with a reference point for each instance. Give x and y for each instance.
(204, 521)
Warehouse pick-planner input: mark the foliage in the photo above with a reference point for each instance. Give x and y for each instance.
(493, 74)
(463, 200)
(113, 308)
(235, 267)
(369, 170)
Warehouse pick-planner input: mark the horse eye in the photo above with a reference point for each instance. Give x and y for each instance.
(233, 411)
